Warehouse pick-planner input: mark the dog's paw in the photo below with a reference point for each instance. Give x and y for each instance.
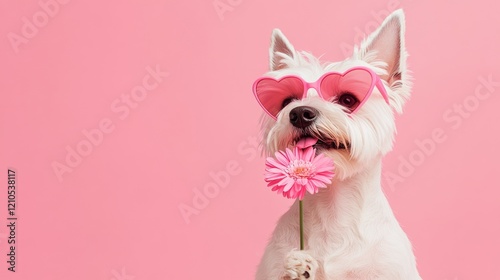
(299, 265)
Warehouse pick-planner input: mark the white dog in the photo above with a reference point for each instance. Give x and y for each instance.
(350, 230)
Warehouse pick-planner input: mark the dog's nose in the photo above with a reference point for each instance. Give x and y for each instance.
(303, 116)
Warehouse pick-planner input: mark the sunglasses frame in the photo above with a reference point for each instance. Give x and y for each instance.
(375, 82)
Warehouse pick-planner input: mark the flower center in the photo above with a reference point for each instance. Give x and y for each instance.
(300, 169)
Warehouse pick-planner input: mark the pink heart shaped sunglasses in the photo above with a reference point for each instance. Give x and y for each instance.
(350, 89)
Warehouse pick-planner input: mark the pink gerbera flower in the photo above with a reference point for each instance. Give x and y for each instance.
(294, 173)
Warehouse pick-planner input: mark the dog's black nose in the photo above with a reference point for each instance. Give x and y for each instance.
(303, 116)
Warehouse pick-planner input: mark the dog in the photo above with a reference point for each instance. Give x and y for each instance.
(347, 108)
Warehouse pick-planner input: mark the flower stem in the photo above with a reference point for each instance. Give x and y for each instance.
(301, 222)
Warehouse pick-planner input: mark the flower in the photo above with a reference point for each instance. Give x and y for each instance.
(294, 173)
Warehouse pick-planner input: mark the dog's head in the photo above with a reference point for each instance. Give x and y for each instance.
(347, 106)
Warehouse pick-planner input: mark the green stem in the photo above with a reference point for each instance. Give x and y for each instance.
(301, 221)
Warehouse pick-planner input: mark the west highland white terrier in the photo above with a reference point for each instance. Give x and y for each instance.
(350, 231)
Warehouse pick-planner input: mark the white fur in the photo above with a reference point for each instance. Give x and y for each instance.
(350, 230)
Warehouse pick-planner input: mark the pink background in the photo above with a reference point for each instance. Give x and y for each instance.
(116, 215)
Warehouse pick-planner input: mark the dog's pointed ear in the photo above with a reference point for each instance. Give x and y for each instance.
(387, 44)
(280, 49)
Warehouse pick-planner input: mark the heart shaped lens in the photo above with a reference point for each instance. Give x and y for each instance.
(357, 82)
(272, 93)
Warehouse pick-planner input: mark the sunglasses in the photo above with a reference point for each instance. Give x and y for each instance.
(350, 89)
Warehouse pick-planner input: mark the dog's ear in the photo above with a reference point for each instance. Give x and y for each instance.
(280, 49)
(387, 45)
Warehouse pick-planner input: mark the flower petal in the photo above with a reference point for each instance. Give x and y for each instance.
(318, 184)
(298, 153)
(301, 195)
(289, 184)
(275, 170)
(310, 188)
(309, 154)
(271, 162)
(291, 156)
(278, 190)
(322, 178)
(322, 161)
(302, 181)
(280, 156)
(277, 178)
